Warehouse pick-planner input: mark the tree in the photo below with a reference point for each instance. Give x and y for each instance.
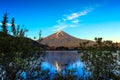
(40, 34)
(17, 32)
(99, 59)
(40, 38)
(22, 32)
(13, 29)
(17, 52)
(4, 23)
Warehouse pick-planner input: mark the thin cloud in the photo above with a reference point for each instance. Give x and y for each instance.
(63, 26)
(8, 24)
(75, 21)
(78, 14)
(73, 16)
(71, 20)
(60, 27)
(58, 21)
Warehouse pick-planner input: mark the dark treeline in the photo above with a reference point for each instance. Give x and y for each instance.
(61, 48)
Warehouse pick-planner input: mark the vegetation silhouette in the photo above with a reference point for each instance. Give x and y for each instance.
(4, 23)
(101, 59)
(16, 51)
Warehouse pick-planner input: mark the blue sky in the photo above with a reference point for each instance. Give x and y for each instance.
(84, 19)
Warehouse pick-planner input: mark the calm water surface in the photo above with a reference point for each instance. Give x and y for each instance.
(59, 60)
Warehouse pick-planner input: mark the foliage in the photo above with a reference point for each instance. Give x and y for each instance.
(4, 23)
(65, 74)
(17, 51)
(13, 27)
(16, 31)
(100, 59)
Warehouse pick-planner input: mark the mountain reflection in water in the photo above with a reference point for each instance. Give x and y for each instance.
(62, 57)
(59, 60)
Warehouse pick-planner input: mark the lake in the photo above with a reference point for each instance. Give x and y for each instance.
(60, 60)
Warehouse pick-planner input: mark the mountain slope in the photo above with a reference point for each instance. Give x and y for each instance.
(61, 38)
